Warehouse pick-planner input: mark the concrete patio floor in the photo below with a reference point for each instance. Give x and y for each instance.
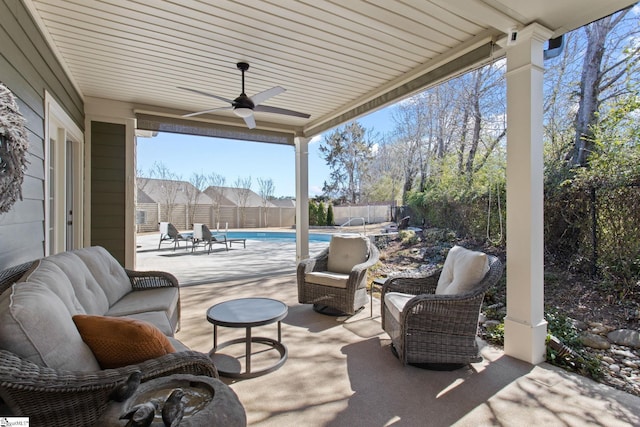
(341, 372)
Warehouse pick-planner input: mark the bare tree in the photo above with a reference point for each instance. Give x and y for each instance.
(266, 190)
(410, 130)
(193, 193)
(385, 185)
(141, 182)
(605, 63)
(425, 126)
(218, 182)
(169, 187)
(559, 110)
(243, 187)
(484, 93)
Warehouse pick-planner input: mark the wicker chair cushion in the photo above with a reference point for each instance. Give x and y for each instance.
(396, 301)
(462, 270)
(346, 251)
(326, 278)
(25, 310)
(118, 342)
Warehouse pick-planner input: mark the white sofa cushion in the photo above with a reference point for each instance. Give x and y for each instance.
(326, 278)
(346, 251)
(36, 325)
(87, 290)
(106, 271)
(158, 299)
(51, 276)
(156, 318)
(396, 301)
(462, 270)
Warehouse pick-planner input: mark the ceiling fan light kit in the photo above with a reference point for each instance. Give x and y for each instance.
(244, 106)
(243, 112)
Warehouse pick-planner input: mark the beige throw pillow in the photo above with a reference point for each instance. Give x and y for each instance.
(462, 270)
(346, 251)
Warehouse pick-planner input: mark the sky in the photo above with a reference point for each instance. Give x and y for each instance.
(185, 155)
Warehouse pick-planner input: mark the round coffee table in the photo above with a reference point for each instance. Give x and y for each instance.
(247, 313)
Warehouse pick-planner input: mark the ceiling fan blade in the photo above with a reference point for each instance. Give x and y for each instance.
(259, 98)
(250, 121)
(207, 111)
(206, 94)
(276, 110)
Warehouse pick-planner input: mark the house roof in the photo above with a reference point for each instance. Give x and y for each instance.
(284, 203)
(143, 197)
(337, 60)
(218, 194)
(234, 196)
(158, 190)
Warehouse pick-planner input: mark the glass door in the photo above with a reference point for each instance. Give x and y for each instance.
(63, 185)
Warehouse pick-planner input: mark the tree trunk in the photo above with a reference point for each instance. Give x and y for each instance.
(589, 89)
(475, 138)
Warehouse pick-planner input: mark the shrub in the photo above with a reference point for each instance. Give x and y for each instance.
(330, 215)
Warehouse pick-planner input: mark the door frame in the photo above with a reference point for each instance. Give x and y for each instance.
(59, 127)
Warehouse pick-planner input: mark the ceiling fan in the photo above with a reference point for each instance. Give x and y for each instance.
(244, 106)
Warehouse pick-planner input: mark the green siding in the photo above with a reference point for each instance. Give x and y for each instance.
(108, 148)
(29, 68)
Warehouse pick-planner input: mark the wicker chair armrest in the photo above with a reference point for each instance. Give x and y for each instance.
(73, 398)
(317, 263)
(151, 279)
(10, 275)
(446, 314)
(412, 283)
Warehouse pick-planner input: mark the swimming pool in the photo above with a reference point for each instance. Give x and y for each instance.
(277, 236)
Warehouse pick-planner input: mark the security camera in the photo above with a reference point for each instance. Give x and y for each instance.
(512, 36)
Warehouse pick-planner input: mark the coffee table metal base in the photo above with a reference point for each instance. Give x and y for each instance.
(249, 373)
(247, 313)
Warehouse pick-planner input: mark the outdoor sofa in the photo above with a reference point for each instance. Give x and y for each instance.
(63, 323)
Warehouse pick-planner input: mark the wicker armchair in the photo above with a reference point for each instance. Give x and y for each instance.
(342, 290)
(77, 398)
(435, 328)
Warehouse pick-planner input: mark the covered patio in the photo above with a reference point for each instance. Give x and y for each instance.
(90, 75)
(341, 370)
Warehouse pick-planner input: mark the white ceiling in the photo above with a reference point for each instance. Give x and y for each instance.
(335, 58)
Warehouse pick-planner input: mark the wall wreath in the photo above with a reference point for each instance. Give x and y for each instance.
(13, 150)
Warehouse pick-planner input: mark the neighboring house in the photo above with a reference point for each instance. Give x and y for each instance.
(178, 192)
(234, 197)
(284, 203)
(216, 206)
(143, 197)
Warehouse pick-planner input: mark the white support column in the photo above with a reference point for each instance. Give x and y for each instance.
(302, 198)
(525, 326)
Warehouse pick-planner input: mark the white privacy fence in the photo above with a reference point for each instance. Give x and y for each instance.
(148, 215)
(372, 214)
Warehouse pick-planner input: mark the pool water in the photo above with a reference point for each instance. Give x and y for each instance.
(276, 236)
